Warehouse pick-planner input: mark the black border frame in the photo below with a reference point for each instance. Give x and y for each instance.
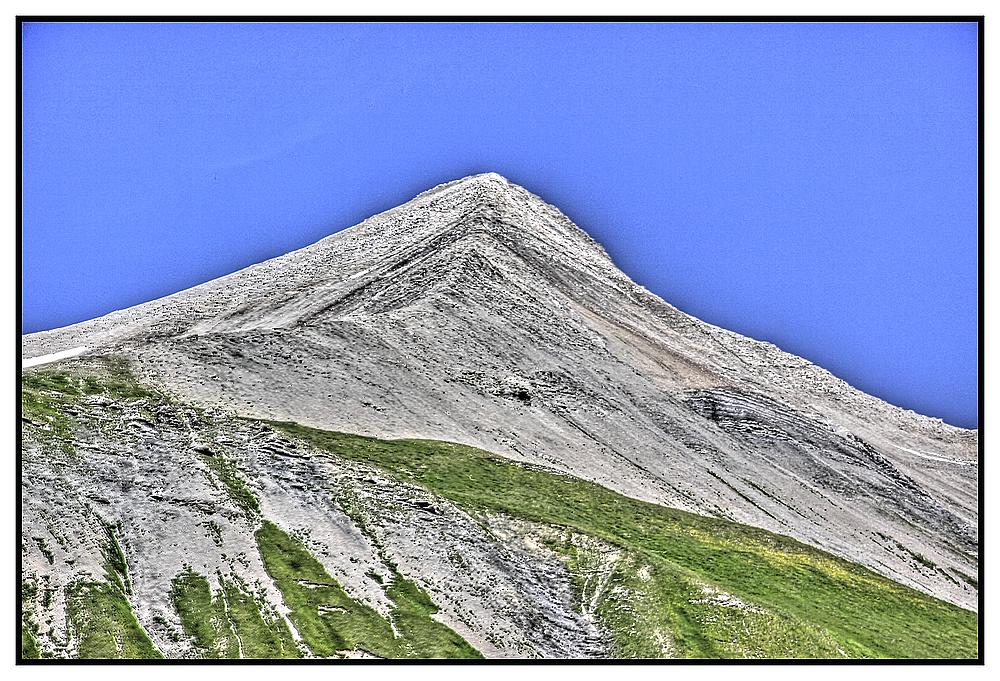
(979, 20)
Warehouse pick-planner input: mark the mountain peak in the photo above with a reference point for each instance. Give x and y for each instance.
(490, 204)
(486, 178)
(491, 189)
(486, 187)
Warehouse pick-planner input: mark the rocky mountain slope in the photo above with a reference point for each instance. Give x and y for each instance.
(478, 314)
(154, 528)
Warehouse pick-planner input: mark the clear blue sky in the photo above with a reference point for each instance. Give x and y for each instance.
(813, 185)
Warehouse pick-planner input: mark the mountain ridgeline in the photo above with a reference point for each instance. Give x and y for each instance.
(458, 430)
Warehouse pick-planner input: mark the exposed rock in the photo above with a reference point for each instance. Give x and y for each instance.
(476, 313)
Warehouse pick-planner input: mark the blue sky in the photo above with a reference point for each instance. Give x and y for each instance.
(813, 185)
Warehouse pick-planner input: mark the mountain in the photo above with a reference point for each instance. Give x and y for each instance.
(194, 431)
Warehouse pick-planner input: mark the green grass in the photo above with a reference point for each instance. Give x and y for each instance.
(421, 635)
(44, 397)
(115, 565)
(331, 622)
(230, 623)
(202, 616)
(29, 644)
(48, 394)
(29, 628)
(100, 615)
(806, 603)
(104, 625)
(109, 376)
(228, 474)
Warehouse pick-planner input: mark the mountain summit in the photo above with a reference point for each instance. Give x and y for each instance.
(478, 314)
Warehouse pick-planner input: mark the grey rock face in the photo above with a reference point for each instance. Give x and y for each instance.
(479, 314)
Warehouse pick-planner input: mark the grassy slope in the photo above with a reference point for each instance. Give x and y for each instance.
(104, 624)
(657, 600)
(48, 396)
(101, 616)
(29, 629)
(813, 604)
(229, 623)
(330, 621)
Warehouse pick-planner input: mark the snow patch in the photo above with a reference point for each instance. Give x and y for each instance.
(53, 357)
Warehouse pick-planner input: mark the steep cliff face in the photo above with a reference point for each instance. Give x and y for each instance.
(478, 314)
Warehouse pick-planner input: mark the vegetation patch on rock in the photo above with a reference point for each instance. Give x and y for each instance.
(231, 623)
(333, 624)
